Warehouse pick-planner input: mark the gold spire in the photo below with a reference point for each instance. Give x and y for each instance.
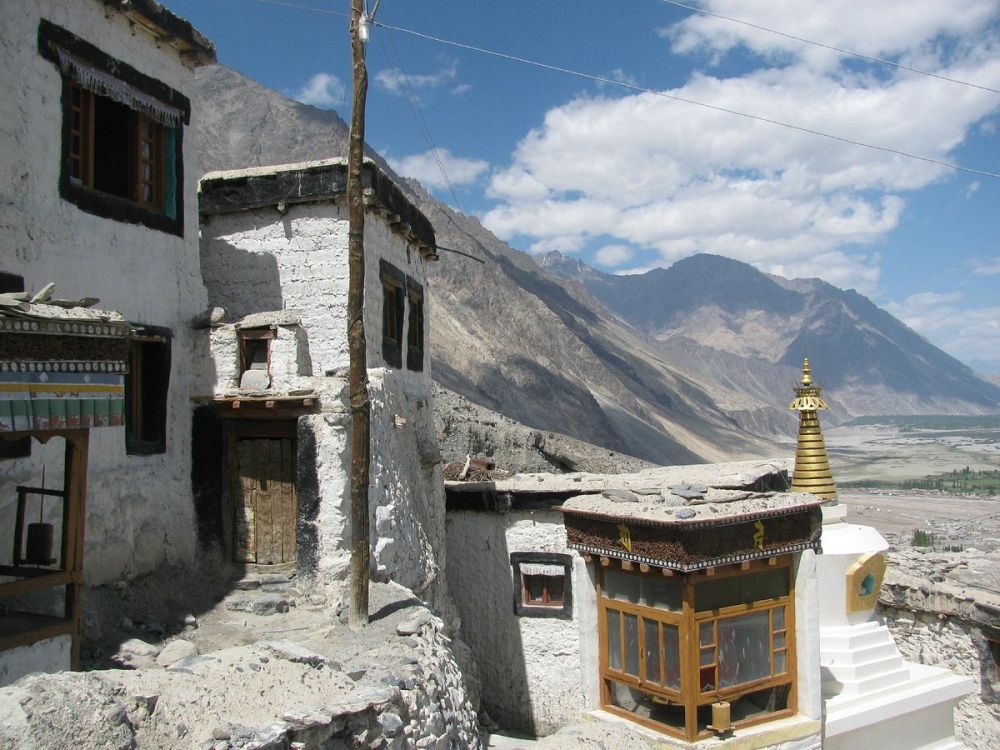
(812, 467)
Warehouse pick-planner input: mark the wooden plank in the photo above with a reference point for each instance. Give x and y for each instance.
(244, 542)
(63, 627)
(267, 467)
(289, 501)
(34, 583)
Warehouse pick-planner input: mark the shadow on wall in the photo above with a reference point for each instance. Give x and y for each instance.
(240, 281)
(479, 578)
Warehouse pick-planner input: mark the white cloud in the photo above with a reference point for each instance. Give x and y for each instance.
(461, 88)
(965, 333)
(395, 80)
(971, 189)
(986, 266)
(424, 167)
(614, 255)
(563, 244)
(322, 90)
(651, 172)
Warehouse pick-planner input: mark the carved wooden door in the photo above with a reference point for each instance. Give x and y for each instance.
(266, 504)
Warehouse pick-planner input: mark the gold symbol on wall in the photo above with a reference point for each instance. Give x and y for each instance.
(625, 537)
(758, 537)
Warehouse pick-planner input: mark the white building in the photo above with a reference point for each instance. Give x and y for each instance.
(99, 198)
(274, 257)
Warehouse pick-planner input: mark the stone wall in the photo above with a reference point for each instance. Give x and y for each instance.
(538, 674)
(272, 695)
(139, 513)
(942, 640)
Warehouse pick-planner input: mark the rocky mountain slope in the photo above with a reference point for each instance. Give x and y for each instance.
(726, 323)
(691, 363)
(504, 333)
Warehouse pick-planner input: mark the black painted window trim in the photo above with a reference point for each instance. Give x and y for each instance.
(135, 445)
(517, 559)
(92, 201)
(393, 291)
(415, 326)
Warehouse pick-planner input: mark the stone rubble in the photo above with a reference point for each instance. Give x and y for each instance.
(396, 684)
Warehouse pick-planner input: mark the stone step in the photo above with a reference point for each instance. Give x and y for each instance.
(836, 658)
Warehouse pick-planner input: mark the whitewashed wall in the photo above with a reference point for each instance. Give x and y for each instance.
(259, 261)
(538, 674)
(139, 513)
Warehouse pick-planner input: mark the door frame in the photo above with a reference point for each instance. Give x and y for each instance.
(247, 428)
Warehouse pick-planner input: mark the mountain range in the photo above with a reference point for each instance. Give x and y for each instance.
(686, 364)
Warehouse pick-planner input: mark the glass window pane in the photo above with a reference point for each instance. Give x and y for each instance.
(662, 593)
(631, 644)
(708, 655)
(617, 584)
(779, 640)
(614, 640)
(779, 662)
(651, 633)
(707, 679)
(778, 617)
(707, 631)
(744, 649)
(534, 588)
(671, 657)
(727, 592)
(646, 705)
(555, 586)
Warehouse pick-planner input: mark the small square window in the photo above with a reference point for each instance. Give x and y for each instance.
(393, 292)
(542, 584)
(146, 387)
(255, 358)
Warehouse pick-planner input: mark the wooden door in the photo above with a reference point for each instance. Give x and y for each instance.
(266, 506)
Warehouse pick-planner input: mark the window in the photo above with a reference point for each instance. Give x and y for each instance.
(393, 285)
(146, 389)
(542, 584)
(672, 645)
(20, 448)
(993, 649)
(122, 133)
(415, 327)
(255, 358)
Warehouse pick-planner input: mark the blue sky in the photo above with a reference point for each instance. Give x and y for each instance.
(628, 180)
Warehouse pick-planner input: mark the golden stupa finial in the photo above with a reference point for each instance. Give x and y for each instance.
(812, 467)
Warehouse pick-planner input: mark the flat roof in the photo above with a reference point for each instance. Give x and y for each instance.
(318, 181)
(168, 27)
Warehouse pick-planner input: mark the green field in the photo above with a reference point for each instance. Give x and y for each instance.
(930, 422)
(959, 481)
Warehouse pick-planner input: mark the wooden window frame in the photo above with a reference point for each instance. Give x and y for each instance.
(244, 335)
(524, 605)
(393, 293)
(415, 326)
(689, 623)
(77, 165)
(138, 409)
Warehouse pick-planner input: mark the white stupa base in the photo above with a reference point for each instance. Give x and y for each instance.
(906, 708)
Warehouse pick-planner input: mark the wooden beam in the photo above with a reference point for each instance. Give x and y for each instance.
(643, 567)
(627, 565)
(605, 562)
(745, 565)
(667, 572)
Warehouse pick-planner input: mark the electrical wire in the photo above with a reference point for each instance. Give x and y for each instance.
(414, 104)
(694, 102)
(841, 50)
(297, 6)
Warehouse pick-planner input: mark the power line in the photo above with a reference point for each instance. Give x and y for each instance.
(414, 103)
(297, 6)
(695, 102)
(841, 50)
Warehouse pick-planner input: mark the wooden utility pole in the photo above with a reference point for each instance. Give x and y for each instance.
(358, 378)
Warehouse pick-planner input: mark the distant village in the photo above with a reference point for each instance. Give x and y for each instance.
(175, 484)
